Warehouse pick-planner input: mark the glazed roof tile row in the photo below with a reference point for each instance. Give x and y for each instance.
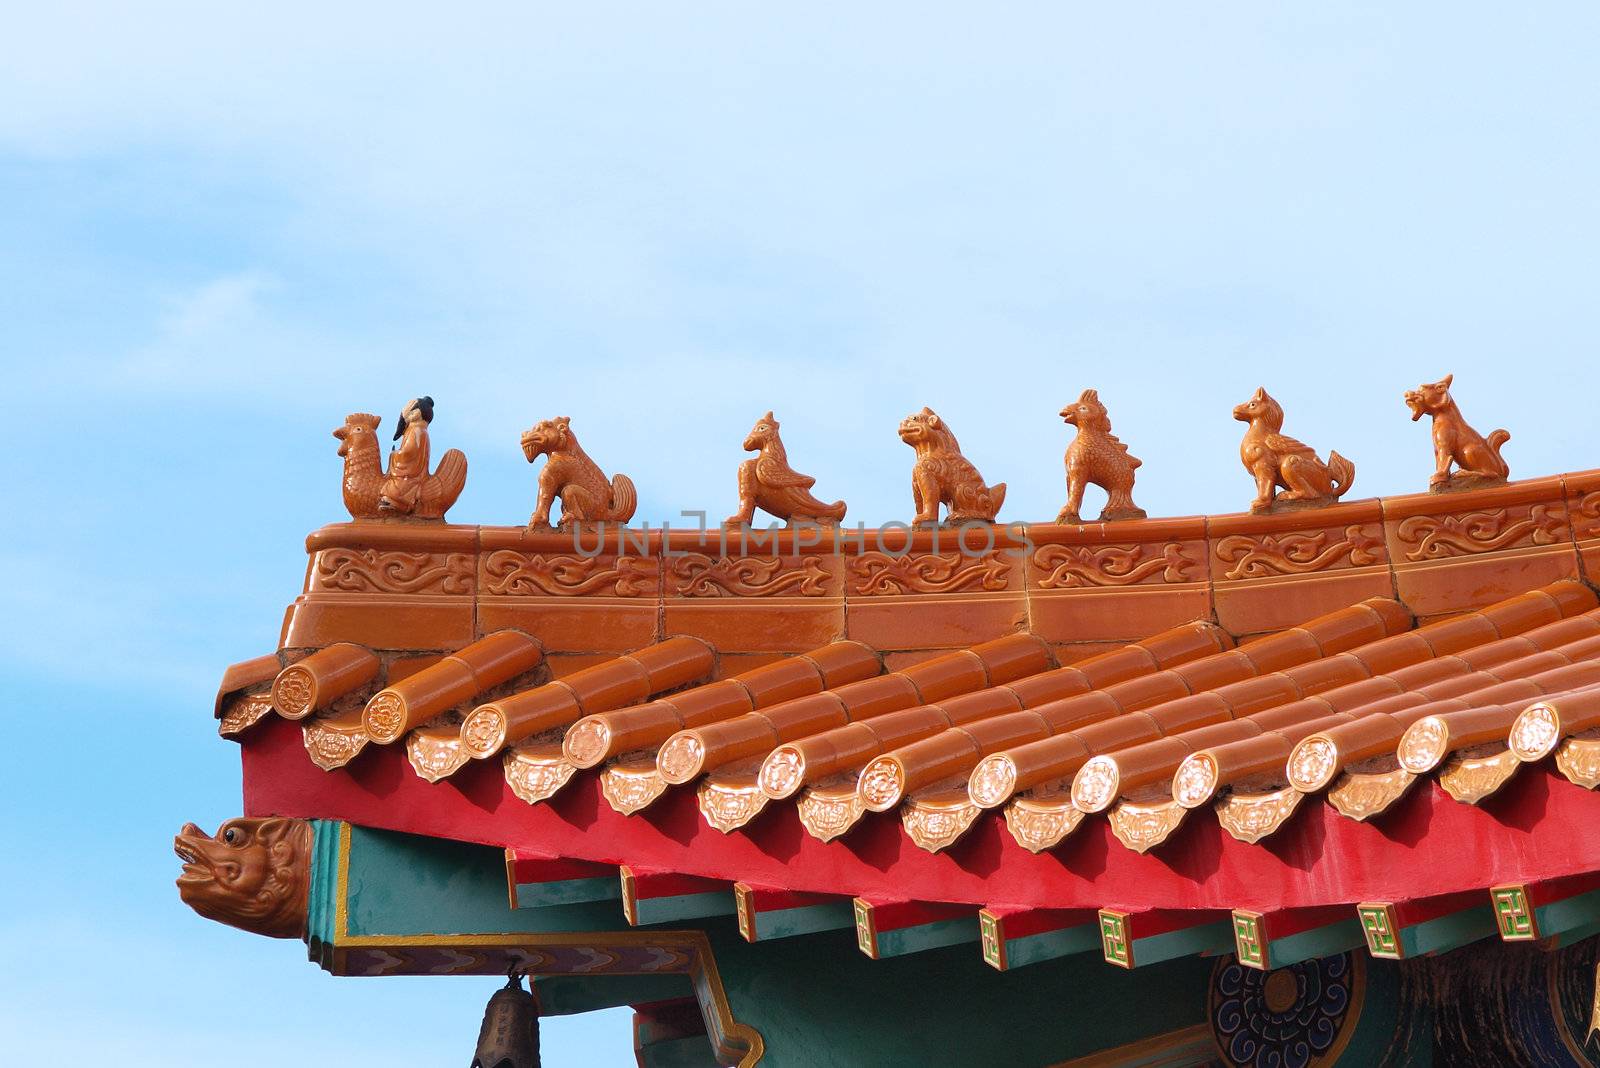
(1176, 720)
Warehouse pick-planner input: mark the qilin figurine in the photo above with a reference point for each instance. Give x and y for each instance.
(1096, 456)
(1477, 459)
(942, 475)
(586, 496)
(1276, 461)
(769, 483)
(407, 489)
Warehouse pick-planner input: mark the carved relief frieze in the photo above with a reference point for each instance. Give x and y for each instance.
(392, 571)
(1441, 537)
(875, 574)
(1077, 566)
(508, 573)
(1300, 553)
(1586, 516)
(698, 575)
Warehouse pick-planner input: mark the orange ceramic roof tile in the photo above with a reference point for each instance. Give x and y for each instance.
(332, 741)
(804, 761)
(1233, 678)
(595, 738)
(1198, 777)
(921, 764)
(242, 697)
(1428, 741)
(1541, 728)
(693, 752)
(1410, 656)
(322, 678)
(624, 680)
(458, 678)
(1107, 776)
(438, 751)
(1317, 759)
(245, 675)
(1190, 711)
(848, 748)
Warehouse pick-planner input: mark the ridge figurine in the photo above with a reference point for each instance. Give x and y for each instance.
(253, 874)
(407, 489)
(1095, 455)
(942, 475)
(1477, 459)
(569, 474)
(1276, 461)
(769, 483)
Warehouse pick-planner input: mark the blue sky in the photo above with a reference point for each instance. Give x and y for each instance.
(222, 229)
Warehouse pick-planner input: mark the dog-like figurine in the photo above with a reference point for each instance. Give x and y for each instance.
(1476, 458)
(1275, 460)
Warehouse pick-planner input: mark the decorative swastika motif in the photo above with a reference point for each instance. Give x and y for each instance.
(1114, 941)
(994, 949)
(1513, 913)
(1248, 943)
(1381, 929)
(865, 935)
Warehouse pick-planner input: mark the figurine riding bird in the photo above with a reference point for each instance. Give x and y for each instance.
(1477, 459)
(942, 475)
(769, 483)
(407, 488)
(1096, 456)
(1276, 460)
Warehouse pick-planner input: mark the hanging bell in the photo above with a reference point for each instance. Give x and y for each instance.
(510, 1034)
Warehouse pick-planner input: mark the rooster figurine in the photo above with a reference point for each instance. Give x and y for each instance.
(407, 489)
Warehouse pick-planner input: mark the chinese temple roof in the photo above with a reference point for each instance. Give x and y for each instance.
(1296, 708)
